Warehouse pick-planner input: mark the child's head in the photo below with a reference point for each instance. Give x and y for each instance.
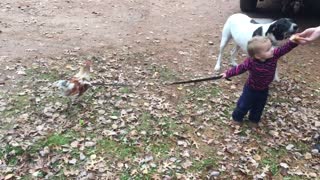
(260, 48)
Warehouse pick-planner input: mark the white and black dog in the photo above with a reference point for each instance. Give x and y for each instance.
(241, 28)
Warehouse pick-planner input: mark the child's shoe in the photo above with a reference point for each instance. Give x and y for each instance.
(235, 123)
(253, 125)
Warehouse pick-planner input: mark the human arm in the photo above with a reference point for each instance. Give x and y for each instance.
(241, 68)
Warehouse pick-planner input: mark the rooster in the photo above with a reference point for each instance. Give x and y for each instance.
(76, 85)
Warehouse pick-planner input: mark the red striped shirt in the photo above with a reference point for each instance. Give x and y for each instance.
(261, 74)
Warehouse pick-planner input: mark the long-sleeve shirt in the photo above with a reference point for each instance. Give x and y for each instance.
(261, 74)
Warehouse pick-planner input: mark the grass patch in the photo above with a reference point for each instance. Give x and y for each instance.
(181, 109)
(273, 165)
(201, 95)
(148, 123)
(204, 164)
(203, 92)
(117, 149)
(127, 176)
(301, 146)
(27, 177)
(116, 113)
(160, 148)
(273, 158)
(125, 90)
(18, 103)
(165, 73)
(57, 140)
(145, 122)
(292, 178)
(227, 111)
(167, 125)
(51, 75)
(10, 154)
(53, 140)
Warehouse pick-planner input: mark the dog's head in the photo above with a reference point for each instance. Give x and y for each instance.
(281, 29)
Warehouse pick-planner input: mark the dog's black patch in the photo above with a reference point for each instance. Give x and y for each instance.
(253, 21)
(281, 29)
(257, 32)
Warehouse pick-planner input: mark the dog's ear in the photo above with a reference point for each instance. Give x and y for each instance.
(257, 32)
(273, 29)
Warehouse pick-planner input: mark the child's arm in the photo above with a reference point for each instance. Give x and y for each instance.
(241, 68)
(287, 47)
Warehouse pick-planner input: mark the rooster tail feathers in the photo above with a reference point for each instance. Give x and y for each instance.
(63, 84)
(59, 83)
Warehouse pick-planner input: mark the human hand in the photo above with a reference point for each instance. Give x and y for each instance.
(309, 35)
(224, 75)
(297, 39)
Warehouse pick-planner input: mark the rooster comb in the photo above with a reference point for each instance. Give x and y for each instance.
(87, 63)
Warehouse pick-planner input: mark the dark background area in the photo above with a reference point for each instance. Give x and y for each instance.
(308, 17)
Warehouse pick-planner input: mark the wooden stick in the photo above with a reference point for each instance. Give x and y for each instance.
(199, 80)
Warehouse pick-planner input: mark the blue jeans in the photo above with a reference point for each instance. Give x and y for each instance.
(253, 101)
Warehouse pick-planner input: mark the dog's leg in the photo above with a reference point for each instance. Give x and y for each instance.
(233, 54)
(276, 76)
(226, 36)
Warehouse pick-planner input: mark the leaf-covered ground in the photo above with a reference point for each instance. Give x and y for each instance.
(149, 130)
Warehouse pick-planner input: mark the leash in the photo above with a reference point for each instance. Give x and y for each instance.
(199, 80)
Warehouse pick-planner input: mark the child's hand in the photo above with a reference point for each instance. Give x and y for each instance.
(224, 75)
